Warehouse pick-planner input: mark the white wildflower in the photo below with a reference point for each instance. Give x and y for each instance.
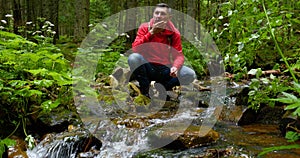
(8, 15)
(49, 23)
(104, 25)
(29, 22)
(229, 12)
(226, 24)
(4, 21)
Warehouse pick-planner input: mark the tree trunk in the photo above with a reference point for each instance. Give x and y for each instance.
(66, 17)
(81, 19)
(17, 14)
(130, 20)
(5, 9)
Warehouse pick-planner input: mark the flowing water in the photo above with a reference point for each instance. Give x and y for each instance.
(128, 137)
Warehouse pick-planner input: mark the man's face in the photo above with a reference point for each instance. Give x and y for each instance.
(161, 14)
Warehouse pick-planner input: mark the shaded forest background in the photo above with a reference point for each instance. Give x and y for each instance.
(238, 27)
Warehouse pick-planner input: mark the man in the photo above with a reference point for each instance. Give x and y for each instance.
(158, 53)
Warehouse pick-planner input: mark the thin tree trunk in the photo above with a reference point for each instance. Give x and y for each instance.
(130, 20)
(5, 9)
(17, 14)
(81, 19)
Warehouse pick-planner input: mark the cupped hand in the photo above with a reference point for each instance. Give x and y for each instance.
(158, 27)
(173, 71)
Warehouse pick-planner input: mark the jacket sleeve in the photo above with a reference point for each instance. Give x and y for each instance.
(142, 36)
(177, 55)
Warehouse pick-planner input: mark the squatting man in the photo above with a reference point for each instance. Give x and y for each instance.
(158, 53)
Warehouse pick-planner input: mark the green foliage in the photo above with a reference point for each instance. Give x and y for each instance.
(241, 31)
(292, 136)
(5, 142)
(262, 89)
(194, 58)
(34, 78)
(285, 147)
(99, 10)
(292, 101)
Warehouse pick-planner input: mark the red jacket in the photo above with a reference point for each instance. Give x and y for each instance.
(156, 48)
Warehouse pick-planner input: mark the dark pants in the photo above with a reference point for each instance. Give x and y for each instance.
(145, 72)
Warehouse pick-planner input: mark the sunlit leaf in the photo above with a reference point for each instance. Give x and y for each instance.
(297, 111)
(290, 96)
(293, 106)
(43, 83)
(36, 72)
(252, 72)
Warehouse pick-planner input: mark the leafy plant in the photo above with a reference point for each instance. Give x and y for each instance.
(293, 103)
(5, 142)
(34, 79)
(264, 88)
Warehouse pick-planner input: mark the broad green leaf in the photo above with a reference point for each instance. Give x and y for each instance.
(54, 56)
(292, 136)
(283, 100)
(43, 83)
(18, 83)
(297, 112)
(35, 92)
(252, 72)
(297, 87)
(36, 72)
(62, 79)
(49, 105)
(293, 106)
(288, 15)
(290, 96)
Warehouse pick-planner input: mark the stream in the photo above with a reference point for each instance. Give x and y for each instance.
(144, 134)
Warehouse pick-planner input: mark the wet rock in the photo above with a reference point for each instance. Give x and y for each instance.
(57, 121)
(119, 77)
(192, 137)
(232, 114)
(242, 97)
(289, 122)
(265, 115)
(270, 115)
(248, 117)
(66, 144)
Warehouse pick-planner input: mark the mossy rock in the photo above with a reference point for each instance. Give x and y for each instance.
(142, 100)
(193, 136)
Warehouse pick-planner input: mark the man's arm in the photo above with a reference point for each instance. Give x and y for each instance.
(178, 57)
(143, 36)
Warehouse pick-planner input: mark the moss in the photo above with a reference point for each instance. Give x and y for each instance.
(142, 100)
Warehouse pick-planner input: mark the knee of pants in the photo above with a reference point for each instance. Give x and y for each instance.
(187, 77)
(135, 60)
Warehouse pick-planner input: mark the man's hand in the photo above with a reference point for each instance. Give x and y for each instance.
(158, 27)
(173, 71)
